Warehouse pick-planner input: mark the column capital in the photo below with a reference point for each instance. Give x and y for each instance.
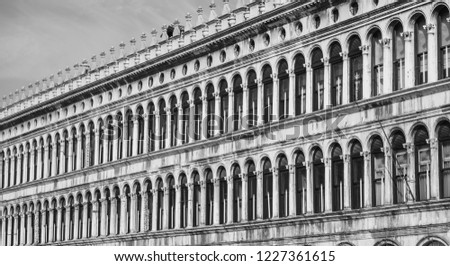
(229, 179)
(346, 158)
(433, 143)
(407, 36)
(274, 76)
(177, 187)
(327, 162)
(325, 61)
(216, 181)
(365, 49)
(386, 42)
(409, 147)
(430, 28)
(156, 113)
(244, 177)
(366, 155)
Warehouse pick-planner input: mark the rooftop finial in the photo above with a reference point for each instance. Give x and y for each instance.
(212, 13)
(176, 28)
(164, 35)
(133, 45)
(122, 49)
(188, 21)
(112, 52)
(200, 16)
(226, 7)
(154, 36)
(143, 41)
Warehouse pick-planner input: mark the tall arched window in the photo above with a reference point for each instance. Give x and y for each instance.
(336, 66)
(66, 153)
(209, 197)
(42, 162)
(71, 221)
(283, 186)
(252, 192)
(3, 161)
(267, 93)
(184, 201)
(423, 162)
(140, 121)
(101, 143)
(117, 210)
(50, 161)
(444, 43)
(223, 195)
(137, 207)
(162, 124)
(210, 109)
(318, 79)
(129, 136)
(91, 143)
(357, 175)
(238, 103)
(160, 203)
(300, 181)
(421, 50)
(127, 193)
(252, 98)
(444, 159)
(378, 169)
(283, 89)
(318, 181)
(398, 53)
(152, 125)
(173, 121)
(150, 200)
(35, 162)
(224, 112)
(355, 60)
(21, 165)
(400, 167)
(58, 153)
(267, 189)
(80, 217)
(172, 201)
(198, 113)
(300, 84)
(120, 135)
(377, 63)
(237, 193)
(109, 138)
(97, 200)
(337, 169)
(185, 110)
(89, 213)
(197, 199)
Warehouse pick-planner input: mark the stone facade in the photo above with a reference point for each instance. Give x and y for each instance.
(307, 123)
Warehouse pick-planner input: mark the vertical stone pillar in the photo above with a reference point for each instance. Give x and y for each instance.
(29, 229)
(191, 120)
(87, 151)
(95, 216)
(104, 139)
(434, 169)
(366, 73)
(155, 210)
(204, 122)
(345, 78)
(104, 222)
(123, 215)
(23, 229)
(275, 193)
(4, 231)
(259, 195)
(135, 136)
(230, 200)
(180, 125)
(260, 103)
(71, 163)
(387, 67)
(51, 221)
(32, 165)
(43, 228)
(14, 178)
(144, 212)
(433, 69)
(115, 141)
(58, 224)
(165, 222)
(327, 83)
(292, 191)
(202, 221)
(216, 201)
(37, 232)
(133, 214)
(367, 180)
(276, 97)
(67, 219)
(309, 88)
(291, 111)
(39, 174)
(97, 147)
(388, 178)
(125, 142)
(411, 177)
(190, 205)
(25, 168)
(244, 210)
(167, 139)
(230, 117)
(20, 177)
(328, 198)
(410, 58)
(62, 157)
(309, 188)
(177, 206)
(14, 234)
(146, 136)
(347, 182)
(113, 218)
(54, 169)
(7, 173)
(85, 220)
(76, 221)
(216, 114)
(157, 130)
(245, 108)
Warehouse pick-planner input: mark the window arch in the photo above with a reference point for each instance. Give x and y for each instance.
(443, 133)
(377, 63)
(267, 189)
(238, 102)
(398, 53)
(356, 69)
(337, 170)
(89, 213)
(140, 121)
(152, 126)
(252, 98)
(318, 180)
(196, 199)
(65, 154)
(172, 201)
(357, 175)
(300, 84)
(209, 197)
(283, 89)
(50, 161)
(223, 195)
(378, 171)
(115, 211)
(129, 132)
(101, 143)
(174, 116)
(183, 201)
(120, 135)
(185, 111)
(251, 191)
(400, 166)
(159, 203)
(300, 181)
(318, 79)
(421, 50)
(198, 113)
(267, 81)
(224, 112)
(109, 138)
(283, 186)
(91, 143)
(58, 155)
(237, 193)
(336, 67)
(150, 201)
(422, 163)
(210, 109)
(100, 222)
(444, 43)
(162, 124)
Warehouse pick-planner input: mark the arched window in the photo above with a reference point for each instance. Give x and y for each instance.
(50, 161)
(355, 60)
(21, 165)
(252, 98)
(58, 153)
(434, 243)
(129, 132)
(3, 161)
(185, 110)
(300, 84)
(238, 102)
(71, 219)
(318, 79)
(162, 124)
(80, 217)
(421, 49)
(300, 181)
(109, 138)
(209, 197)
(173, 121)
(444, 43)
(223, 195)
(252, 192)
(197, 199)
(137, 207)
(357, 175)
(98, 203)
(35, 170)
(423, 162)
(267, 189)
(75, 139)
(237, 194)
(91, 143)
(150, 200)
(89, 213)
(267, 93)
(42, 162)
(377, 63)
(283, 89)
(66, 154)
(184, 201)
(140, 121)
(318, 181)
(336, 66)
(400, 167)
(172, 201)
(116, 211)
(210, 109)
(101, 144)
(444, 159)
(152, 125)
(160, 203)
(198, 113)
(283, 186)
(378, 170)
(224, 112)
(337, 170)
(127, 193)
(398, 52)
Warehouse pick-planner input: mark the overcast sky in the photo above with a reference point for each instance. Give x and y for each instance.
(40, 37)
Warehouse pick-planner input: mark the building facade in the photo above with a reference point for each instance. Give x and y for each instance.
(274, 123)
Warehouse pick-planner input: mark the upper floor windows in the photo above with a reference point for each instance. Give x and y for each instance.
(398, 54)
(318, 79)
(377, 59)
(356, 69)
(421, 51)
(336, 66)
(444, 43)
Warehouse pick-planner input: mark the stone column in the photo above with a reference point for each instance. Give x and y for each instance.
(15, 233)
(71, 163)
(366, 73)
(67, 219)
(115, 141)
(167, 139)
(23, 229)
(347, 182)
(259, 195)
(51, 221)
(177, 206)
(309, 188)
(260, 103)
(202, 221)
(230, 117)
(345, 78)
(327, 83)
(19, 179)
(367, 180)
(29, 229)
(204, 122)
(165, 223)
(39, 162)
(244, 210)
(216, 114)
(180, 124)
(113, 218)
(3, 231)
(146, 135)
(411, 177)
(76, 221)
(291, 111)
(104, 139)
(230, 200)
(25, 169)
(135, 137)
(133, 214)
(13, 172)
(95, 216)
(54, 169)
(245, 107)
(123, 215)
(388, 178)
(433, 51)
(275, 193)
(155, 210)
(87, 150)
(43, 227)
(434, 169)
(125, 138)
(85, 220)
(144, 212)
(410, 73)
(387, 67)
(104, 222)
(97, 147)
(276, 97)
(216, 201)
(190, 205)
(32, 165)
(7, 175)
(191, 120)
(328, 198)
(157, 130)
(292, 191)
(309, 88)
(62, 157)
(37, 234)
(58, 224)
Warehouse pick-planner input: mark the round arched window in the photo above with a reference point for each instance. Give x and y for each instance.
(335, 15)
(184, 70)
(197, 65)
(129, 90)
(299, 28)
(237, 50)
(266, 39)
(140, 86)
(354, 8)
(150, 82)
(316, 21)
(209, 60)
(172, 74)
(251, 45)
(282, 34)
(161, 78)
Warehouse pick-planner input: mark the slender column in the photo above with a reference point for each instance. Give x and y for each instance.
(388, 176)
(216, 114)
(260, 195)
(180, 125)
(191, 120)
(387, 67)
(19, 167)
(345, 78)
(276, 194)
(276, 97)
(292, 192)
(13, 167)
(43, 228)
(125, 138)
(167, 140)
(39, 162)
(62, 157)
(204, 129)
(366, 73)
(309, 188)
(54, 159)
(123, 215)
(328, 197)
(309, 88)
(244, 210)
(230, 200)
(96, 145)
(230, 117)
(37, 233)
(58, 224)
(85, 220)
(216, 201)
(7, 175)
(15, 233)
(146, 135)
(203, 203)
(29, 229)
(115, 141)
(25, 168)
(410, 178)
(245, 107)
(135, 136)
(190, 204)
(2, 163)
(23, 229)
(133, 214)
(67, 219)
(71, 163)
(409, 60)
(367, 180)
(95, 214)
(166, 209)
(144, 212)
(155, 210)
(347, 181)
(327, 83)
(4, 237)
(76, 221)
(433, 51)
(113, 218)
(260, 103)
(104, 224)
(87, 150)
(104, 139)
(291, 111)
(32, 165)
(157, 130)
(434, 169)
(177, 206)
